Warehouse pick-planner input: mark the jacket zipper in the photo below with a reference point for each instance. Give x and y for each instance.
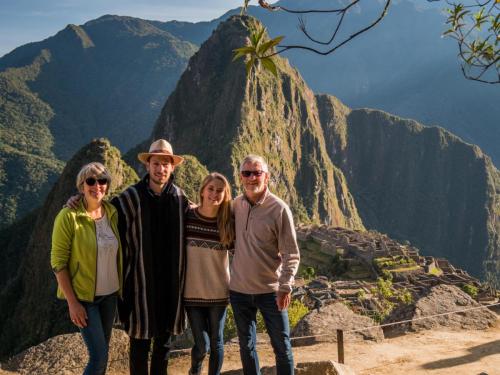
(96, 256)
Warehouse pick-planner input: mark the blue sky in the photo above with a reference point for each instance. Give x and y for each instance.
(24, 21)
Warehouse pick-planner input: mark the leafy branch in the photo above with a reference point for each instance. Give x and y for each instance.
(474, 25)
(476, 28)
(257, 50)
(332, 42)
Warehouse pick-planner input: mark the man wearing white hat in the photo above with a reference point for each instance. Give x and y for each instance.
(151, 224)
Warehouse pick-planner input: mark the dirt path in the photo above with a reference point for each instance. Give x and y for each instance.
(430, 352)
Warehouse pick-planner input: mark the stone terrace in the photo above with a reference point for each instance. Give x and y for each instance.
(378, 254)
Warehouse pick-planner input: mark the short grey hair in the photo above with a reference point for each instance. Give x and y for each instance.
(94, 169)
(255, 159)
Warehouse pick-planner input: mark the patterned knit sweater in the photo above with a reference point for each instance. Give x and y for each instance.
(207, 273)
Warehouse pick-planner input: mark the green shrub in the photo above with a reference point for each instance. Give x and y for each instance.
(388, 298)
(392, 262)
(361, 295)
(230, 327)
(308, 273)
(296, 311)
(470, 289)
(384, 288)
(405, 296)
(387, 275)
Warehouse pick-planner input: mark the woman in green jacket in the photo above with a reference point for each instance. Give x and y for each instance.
(86, 259)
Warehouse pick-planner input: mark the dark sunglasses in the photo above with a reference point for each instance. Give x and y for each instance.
(249, 173)
(91, 181)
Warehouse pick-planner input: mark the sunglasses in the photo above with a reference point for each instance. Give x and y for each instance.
(91, 181)
(249, 173)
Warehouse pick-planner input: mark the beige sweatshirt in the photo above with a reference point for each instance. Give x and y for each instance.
(266, 256)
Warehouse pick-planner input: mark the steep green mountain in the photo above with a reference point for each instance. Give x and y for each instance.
(30, 312)
(418, 183)
(189, 176)
(218, 115)
(402, 66)
(28, 167)
(106, 78)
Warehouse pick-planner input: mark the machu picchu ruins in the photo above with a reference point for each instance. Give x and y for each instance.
(373, 273)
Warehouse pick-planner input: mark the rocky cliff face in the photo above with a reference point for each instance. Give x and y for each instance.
(30, 312)
(219, 115)
(418, 183)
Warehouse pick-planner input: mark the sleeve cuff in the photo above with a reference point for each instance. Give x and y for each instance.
(58, 269)
(285, 288)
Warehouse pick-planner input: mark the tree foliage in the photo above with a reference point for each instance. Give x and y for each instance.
(476, 28)
(258, 49)
(474, 24)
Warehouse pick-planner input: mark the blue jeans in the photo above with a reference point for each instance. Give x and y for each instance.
(207, 326)
(245, 308)
(100, 317)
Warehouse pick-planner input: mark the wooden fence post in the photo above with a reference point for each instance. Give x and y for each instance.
(340, 345)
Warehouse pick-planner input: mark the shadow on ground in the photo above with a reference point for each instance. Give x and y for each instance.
(475, 354)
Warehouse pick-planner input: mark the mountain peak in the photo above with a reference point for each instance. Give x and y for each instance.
(77, 32)
(124, 25)
(216, 103)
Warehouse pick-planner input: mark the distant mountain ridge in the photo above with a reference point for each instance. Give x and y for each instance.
(107, 78)
(104, 78)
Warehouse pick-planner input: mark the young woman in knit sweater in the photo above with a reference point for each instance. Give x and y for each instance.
(209, 238)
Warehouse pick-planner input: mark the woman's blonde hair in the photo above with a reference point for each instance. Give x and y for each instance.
(94, 169)
(225, 220)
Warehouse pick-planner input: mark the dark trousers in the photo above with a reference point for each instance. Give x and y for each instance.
(139, 353)
(245, 307)
(97, 333)
(207, 326)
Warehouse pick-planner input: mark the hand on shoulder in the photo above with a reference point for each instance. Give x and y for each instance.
(73, 201)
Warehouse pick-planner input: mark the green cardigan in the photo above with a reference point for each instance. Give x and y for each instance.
(74, 246)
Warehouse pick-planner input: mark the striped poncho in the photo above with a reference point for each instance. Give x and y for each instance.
(151, 230)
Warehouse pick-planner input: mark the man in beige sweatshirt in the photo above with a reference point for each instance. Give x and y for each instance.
(266, 259)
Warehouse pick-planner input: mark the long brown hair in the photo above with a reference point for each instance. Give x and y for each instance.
(225, 220)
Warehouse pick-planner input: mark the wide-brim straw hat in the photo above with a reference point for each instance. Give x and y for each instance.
(160, 147)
